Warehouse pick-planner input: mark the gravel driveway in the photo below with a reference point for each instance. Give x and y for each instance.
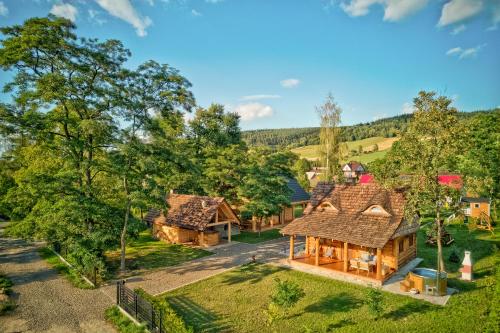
(46, 301)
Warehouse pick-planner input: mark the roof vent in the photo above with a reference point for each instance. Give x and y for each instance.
(204, 204)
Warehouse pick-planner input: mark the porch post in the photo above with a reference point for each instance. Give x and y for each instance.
(291, 247)
(379, 264)
(316, 262)
(307, 245)
(229, 232)
(396, 253)
(346, 254)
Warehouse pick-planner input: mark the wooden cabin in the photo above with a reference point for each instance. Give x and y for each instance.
(194, 219)
(475, 207)
(298, 197)
(355, 229)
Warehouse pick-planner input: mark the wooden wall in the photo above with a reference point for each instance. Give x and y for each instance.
(178, 235)
(476, 211)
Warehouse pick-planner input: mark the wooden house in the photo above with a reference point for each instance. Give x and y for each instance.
(352, 171)
(199, 220)
(355, 229)
(299, 197)
(476, 207)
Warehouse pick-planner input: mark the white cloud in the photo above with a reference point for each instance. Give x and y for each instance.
(394, 10)
(251, 111)
(465, 53)
(4, 11)
(94, 16)
(290, 83)
(194, 12)
(458, 29)
(65, 10)
(257, 97)
(408, 108)
(124, 10)
(458, 10)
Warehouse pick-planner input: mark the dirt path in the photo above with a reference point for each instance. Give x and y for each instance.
(47, 302)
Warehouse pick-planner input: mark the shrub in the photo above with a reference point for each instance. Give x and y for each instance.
(287, 294)
(454, 255)
(171, 321)
(284, 297)
(374, 300)
(121, 322)
(6, 304)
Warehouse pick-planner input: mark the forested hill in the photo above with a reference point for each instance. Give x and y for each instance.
(298, 137)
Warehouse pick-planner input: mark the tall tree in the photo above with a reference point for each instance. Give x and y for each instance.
(152, 91)
(331, 148)
(63, 100)
(264, 189)
(219, 151)
(429, 145)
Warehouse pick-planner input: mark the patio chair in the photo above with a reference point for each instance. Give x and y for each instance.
(329, 253)
(354, 263)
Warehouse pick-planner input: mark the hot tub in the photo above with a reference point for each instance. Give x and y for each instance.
(424, 280)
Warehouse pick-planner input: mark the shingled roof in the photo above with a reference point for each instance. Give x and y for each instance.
(350, 221)
(189, 211)
(298, 193)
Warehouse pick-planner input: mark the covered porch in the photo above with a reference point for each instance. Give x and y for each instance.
(371, 264)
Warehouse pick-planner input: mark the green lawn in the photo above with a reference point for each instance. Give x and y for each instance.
(147, 253)
(253, 237)
(234, 301)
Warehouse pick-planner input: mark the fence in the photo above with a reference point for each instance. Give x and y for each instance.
(139, 308)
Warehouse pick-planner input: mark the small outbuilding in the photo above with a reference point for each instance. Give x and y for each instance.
(194, 219)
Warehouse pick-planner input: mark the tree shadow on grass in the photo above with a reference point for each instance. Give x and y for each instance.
(341, 323)
(410, 308)
(342, 302)
(200, 318)
(252, 273)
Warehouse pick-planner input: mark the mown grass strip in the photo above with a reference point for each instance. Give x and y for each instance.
(121, 322)
(68, 272)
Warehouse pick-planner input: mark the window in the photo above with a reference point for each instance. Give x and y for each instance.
(401, 245)
(376, 209)
(476, 205)
(411, 240)
(327, 206)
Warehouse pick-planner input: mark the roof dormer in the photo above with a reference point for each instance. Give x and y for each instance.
(326, 206)
(376, 210)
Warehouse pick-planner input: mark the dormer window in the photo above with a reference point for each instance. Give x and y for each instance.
(376, 210)
(327, 206)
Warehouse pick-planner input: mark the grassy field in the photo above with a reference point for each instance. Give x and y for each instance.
(254, 238)
(147, 253)
(311, 152)
(235, 301)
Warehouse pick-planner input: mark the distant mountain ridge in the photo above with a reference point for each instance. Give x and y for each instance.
(305, 136)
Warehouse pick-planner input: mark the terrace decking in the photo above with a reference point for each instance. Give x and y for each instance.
(335, 269)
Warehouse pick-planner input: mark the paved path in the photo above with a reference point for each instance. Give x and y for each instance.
(47, 302)
(225, 257)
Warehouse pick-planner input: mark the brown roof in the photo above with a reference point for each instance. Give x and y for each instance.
(190, 211)
(350, 222)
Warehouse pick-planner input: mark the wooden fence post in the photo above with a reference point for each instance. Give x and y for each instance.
(118, 292)
(135, 301)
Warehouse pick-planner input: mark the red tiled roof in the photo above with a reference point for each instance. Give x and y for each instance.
(350, 223)
(454, 181)
(366, 178)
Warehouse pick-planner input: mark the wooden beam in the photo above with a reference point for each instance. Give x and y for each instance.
(396, 254)
(219, 223)
(229, 232)
(379, 264)
(316, 261)
(307, 245)
(291, 247)
(346, 254)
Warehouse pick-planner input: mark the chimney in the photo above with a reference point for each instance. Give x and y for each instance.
(203, 204)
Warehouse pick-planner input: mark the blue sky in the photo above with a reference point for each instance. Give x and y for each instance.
(274, 61)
